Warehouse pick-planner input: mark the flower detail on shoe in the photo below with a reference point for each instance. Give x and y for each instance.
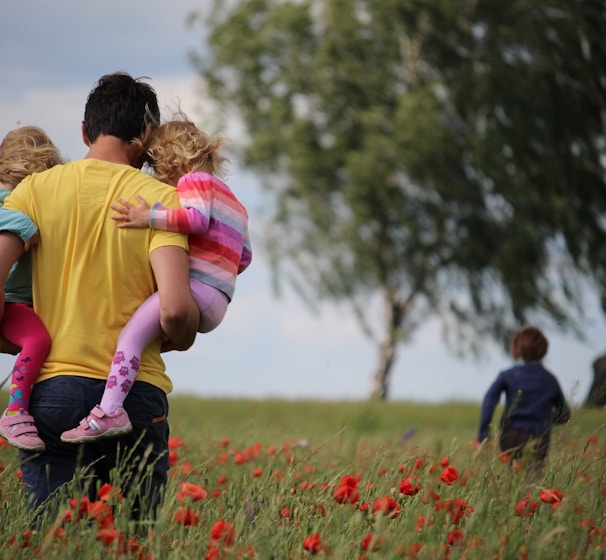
(20, 431)
(99, 424)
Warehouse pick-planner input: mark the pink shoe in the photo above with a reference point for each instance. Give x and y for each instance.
(97, 425)
(20, 430)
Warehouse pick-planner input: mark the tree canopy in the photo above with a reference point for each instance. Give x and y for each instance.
(443, 158)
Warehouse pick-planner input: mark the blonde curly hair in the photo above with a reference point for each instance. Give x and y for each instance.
(178, 147)
(24, 151)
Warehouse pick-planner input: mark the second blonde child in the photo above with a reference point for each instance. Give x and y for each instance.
(23, 151)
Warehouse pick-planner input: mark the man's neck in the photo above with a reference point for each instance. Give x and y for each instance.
(114, 150)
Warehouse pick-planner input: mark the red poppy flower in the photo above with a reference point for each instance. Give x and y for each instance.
(408, 488)
(224, 532)
(100, 511)
(187, 517)
(313, 543)
(551, 496)
(444, 462)
(173, 458)
(215, 552)
(175, 442)
(456, 537)
(387, 506)
(79, 505)
(107, 492)
(108, 536)
(257, 472)
(526, 507)
(346, 491)
(449, 475)
(186, 468)
(192, 492)
(371, 543)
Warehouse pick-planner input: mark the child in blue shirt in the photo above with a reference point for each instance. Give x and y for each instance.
(533, 398)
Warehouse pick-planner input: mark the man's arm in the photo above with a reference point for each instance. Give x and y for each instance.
(11, 249)
(179, 314)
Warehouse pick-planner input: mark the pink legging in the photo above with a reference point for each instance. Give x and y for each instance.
(143, 327)
(22, 327)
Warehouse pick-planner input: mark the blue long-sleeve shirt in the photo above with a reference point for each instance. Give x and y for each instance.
(533, 400)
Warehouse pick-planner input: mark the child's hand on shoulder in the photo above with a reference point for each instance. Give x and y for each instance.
(131, 216)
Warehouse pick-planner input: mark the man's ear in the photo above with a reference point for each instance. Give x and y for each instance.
(85, 137)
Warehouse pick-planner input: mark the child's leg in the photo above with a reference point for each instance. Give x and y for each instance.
(23, 327)
(143, 327)
(212, 304)
(109, 418)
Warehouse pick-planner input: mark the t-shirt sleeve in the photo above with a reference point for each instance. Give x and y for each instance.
(17, 222)
(16, 215)
(161, 238)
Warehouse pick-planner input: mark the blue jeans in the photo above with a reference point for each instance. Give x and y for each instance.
(58, 404)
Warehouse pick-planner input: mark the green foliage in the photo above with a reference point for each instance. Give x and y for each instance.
(445, 156)
(270, 469)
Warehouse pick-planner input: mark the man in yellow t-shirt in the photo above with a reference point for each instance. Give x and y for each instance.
(89, 278)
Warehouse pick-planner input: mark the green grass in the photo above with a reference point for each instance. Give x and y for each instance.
(282, 461)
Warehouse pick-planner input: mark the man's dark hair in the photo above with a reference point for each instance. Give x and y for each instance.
(120, 106)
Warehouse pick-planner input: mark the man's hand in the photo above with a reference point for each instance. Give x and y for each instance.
(168, 346)
(131, 216)
(32, 241)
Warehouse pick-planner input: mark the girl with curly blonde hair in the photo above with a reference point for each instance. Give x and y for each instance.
(184, 156)
(24, 151)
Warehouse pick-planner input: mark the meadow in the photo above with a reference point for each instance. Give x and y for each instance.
(342, 480)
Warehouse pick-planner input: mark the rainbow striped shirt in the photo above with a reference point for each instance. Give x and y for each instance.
(217, 224)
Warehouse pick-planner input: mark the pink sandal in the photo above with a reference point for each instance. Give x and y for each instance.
(20, 430)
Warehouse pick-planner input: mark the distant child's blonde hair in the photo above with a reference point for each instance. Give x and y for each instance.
(529, 344)
(178, 147)
(24, 151)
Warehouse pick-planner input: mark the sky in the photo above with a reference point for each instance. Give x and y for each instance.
(267, 347)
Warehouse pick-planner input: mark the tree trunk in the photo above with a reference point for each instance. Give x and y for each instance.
(597, 393)
(387, 350)
(380, 379)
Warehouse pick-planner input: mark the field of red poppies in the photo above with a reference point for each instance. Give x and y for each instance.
(291, 480)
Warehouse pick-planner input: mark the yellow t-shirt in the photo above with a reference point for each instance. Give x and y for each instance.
(89, 276)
